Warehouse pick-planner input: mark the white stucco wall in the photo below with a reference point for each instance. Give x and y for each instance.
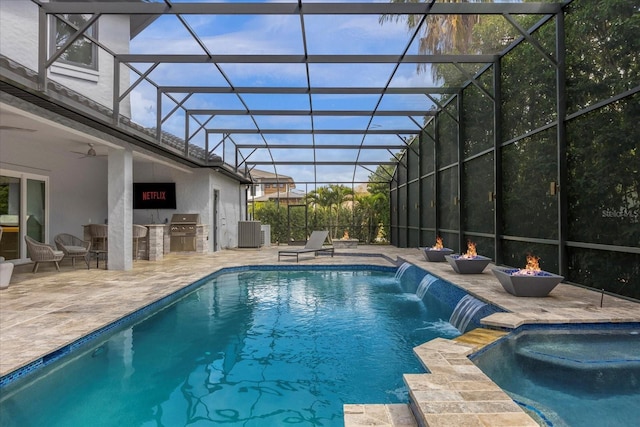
(19, 42)
(194, 194)
(78, 187)
(79, 196)
(19, 34)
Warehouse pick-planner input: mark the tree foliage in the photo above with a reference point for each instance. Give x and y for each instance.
(333, 207)
(440, 34)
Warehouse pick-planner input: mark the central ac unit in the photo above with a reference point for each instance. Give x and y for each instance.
(266, 234)
(249, 234)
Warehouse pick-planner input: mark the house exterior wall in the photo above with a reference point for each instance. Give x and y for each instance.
(75, 203)
(72, 203)
(282, 187)
(79, 187)
(19, 42)
(194, 194)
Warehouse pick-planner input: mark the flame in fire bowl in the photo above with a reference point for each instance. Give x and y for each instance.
(436, 255)
(536, 284)
(462, 264)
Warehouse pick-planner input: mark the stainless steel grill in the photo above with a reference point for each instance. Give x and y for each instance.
(183, 231)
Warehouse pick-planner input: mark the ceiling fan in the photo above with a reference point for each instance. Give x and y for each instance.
(91, 152)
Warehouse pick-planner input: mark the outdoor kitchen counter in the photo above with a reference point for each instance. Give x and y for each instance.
(157, 241)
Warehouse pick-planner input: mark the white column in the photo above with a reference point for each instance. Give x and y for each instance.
(120, 173)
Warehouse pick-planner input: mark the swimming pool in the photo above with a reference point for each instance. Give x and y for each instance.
(580, 375)
(248, 347)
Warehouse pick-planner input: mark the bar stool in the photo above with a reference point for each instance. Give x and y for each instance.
(99, 234)
(139, 232)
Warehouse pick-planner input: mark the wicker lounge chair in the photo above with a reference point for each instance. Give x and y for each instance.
(41, 252)
(314, 244)
(73, 247)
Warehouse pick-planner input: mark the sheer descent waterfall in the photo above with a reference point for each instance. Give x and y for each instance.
(423, 287)
(402, 269)
(466, 308)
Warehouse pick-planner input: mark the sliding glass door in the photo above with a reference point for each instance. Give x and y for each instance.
(23, 211)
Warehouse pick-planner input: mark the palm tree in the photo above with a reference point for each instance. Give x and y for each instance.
(341, 194)
(371, 208)
(330, 197)
(442, 34)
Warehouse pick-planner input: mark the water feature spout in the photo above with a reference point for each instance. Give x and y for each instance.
(466, 308)
(401, 270)
(423, 287)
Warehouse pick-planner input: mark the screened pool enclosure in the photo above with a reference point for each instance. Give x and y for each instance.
(511, 124)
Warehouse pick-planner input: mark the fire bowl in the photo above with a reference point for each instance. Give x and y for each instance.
(436, 255)
(520, 285)
(475, 265)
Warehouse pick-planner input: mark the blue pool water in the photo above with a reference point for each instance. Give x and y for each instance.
(249, 348)
(570, 377)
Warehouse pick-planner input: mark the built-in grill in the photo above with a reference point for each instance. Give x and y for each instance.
(183, 231)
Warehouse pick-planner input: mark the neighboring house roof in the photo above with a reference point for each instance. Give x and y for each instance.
(284, 195)
(260, 175)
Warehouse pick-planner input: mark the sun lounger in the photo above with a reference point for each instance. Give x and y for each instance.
(314, 244)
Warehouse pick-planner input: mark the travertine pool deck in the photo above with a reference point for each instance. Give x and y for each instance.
(42, 312)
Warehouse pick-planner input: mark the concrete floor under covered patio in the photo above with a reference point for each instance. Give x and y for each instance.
(42, 312)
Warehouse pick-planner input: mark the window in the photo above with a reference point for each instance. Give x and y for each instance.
(82, 52)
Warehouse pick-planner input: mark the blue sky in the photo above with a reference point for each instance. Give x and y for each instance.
(276, 34)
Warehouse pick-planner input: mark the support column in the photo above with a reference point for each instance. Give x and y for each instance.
(120, 204)
(462, 244)
(497, 161)
(561, 105)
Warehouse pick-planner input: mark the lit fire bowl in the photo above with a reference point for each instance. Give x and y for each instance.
(436, 255)
(469, 265)
(537, 284)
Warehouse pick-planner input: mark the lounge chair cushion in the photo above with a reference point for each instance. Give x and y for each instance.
(75, 249)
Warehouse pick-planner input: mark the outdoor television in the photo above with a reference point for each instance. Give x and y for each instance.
(154, 195)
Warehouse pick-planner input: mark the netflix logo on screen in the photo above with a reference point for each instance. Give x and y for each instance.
(154, 195)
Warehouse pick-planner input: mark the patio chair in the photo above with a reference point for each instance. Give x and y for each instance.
(73, 247)
(314, 244)
(41, 252)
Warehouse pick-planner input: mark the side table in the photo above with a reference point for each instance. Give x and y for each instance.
(99, 253)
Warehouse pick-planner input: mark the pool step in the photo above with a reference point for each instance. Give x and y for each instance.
(393, 415)
(480, 337)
